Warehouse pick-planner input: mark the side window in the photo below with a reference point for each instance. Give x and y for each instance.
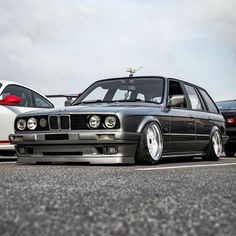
(23, 93)
(193, 97)
(41, 102)
(176, 89)
(209, 102)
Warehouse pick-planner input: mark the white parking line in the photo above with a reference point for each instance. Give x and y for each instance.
(186, 166)
(7, 162)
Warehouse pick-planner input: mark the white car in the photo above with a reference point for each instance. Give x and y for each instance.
(15, 99)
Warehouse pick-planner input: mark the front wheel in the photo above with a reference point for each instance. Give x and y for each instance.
(215, 147)
(151, 144)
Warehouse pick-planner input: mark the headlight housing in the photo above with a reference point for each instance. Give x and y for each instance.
(94, 121)
(32, 123)
(21, 124)
(110, 122)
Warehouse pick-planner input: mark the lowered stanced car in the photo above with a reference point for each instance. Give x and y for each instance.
(228, 110)
(124, 120)
(16, 99)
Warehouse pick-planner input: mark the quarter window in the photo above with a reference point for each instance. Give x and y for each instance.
(209, 102)
(41, 102)
(193, 97)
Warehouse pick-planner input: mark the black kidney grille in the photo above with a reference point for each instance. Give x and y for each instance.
(53, 122)
(65, 122)
(60, 122)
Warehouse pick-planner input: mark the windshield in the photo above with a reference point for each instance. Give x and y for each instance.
(226, 105)
(124, 90)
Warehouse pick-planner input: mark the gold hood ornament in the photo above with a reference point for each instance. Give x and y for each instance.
(132, 71)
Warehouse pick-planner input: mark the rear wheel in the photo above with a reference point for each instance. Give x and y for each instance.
(151, 144)
(215, 147)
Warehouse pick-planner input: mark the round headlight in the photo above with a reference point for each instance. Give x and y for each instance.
(94, 121)
(110, 122)
(32, 123)
(43, 122)
(21, 124)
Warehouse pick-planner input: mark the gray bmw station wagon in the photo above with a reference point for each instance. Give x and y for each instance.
(124, 120)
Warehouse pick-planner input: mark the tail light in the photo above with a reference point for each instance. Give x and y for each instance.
(231, 120)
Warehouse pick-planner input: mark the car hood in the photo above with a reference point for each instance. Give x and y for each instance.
(101, 108)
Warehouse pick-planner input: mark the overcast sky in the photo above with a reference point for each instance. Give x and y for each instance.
(61, 46)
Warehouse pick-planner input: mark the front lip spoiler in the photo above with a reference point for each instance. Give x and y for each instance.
(92, 160)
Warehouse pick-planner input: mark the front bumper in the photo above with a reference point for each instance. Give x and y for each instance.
(90, 147)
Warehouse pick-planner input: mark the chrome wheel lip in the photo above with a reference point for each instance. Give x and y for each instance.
(217, 143)
(154, 141)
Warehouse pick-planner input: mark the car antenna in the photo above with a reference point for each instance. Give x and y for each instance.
(132, 71)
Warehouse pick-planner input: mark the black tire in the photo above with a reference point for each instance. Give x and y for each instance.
(215, 147)
(229, 151)
(145, 154)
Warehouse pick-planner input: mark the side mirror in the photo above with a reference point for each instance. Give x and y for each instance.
(10, 99)
(68, 102)
(176, 101)
(69, 99)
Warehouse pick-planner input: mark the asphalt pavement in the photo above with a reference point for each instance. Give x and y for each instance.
(172, 198)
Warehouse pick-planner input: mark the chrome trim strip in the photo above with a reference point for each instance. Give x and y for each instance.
(182, 134)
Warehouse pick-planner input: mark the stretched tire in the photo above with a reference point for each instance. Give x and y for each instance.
(151, 144)
(215, 147)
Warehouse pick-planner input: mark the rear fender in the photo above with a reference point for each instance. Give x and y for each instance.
(213, 130)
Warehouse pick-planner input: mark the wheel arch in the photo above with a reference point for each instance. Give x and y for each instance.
(146, 120)
(214, 128)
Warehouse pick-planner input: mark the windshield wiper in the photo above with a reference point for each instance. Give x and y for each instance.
(136, 100)
(91, 101)
(94, 101)
(114, 101)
